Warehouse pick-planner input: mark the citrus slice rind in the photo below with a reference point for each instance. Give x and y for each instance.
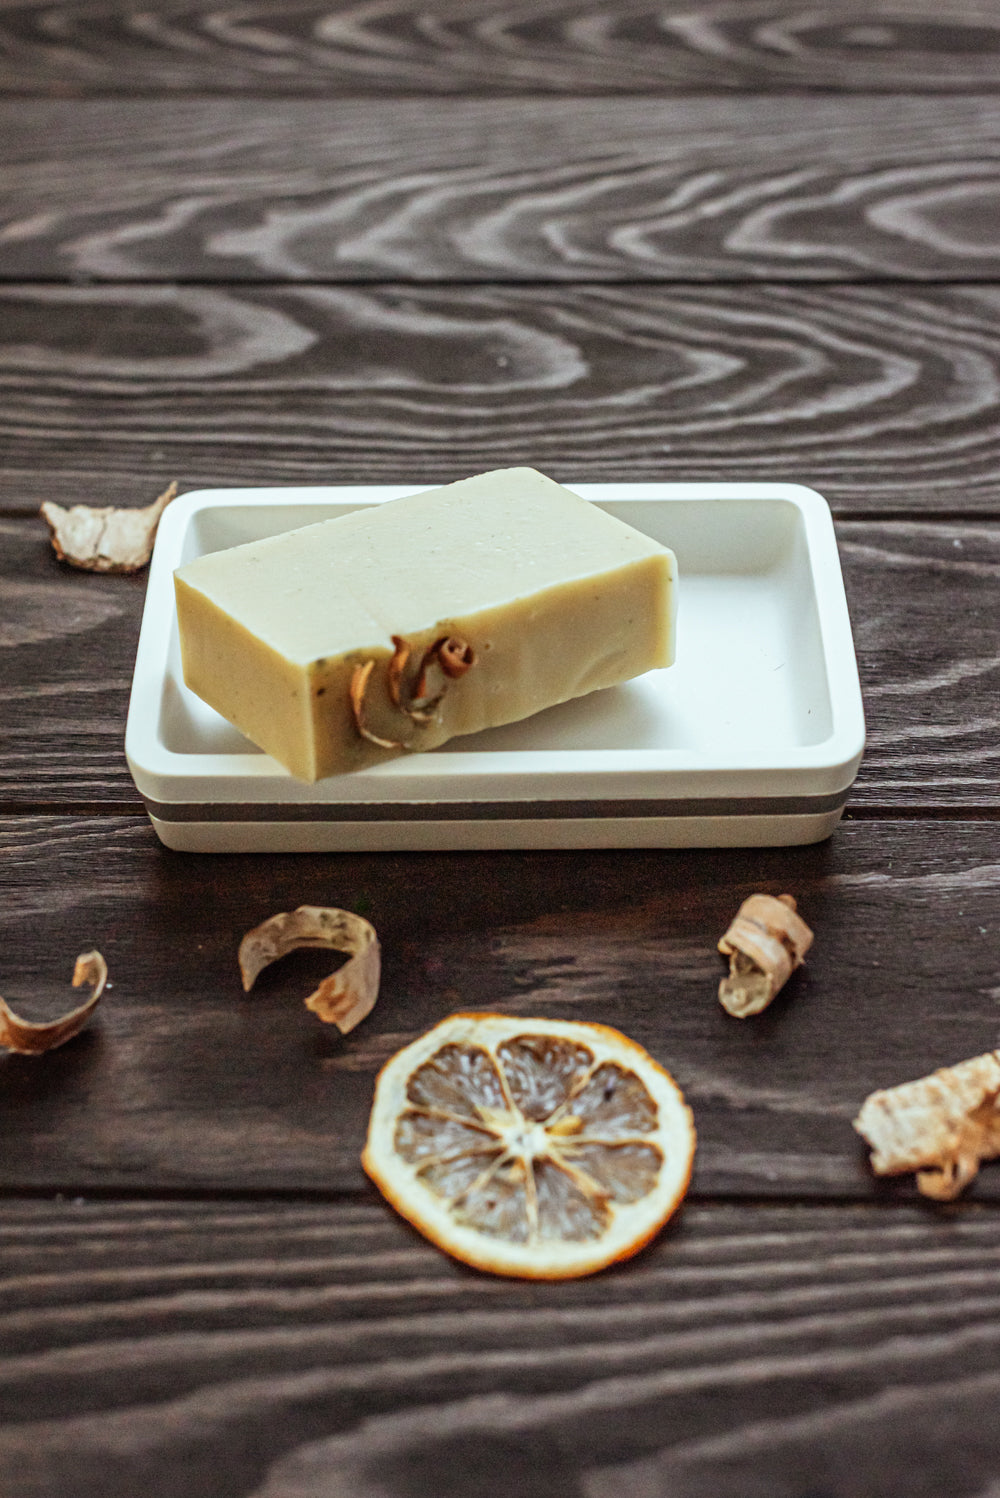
(545, 1149)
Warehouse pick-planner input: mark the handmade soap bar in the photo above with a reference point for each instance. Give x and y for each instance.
(395, 627)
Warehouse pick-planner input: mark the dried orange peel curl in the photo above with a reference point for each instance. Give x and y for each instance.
(448, 657)
(941, 1126)
(32, 1039)
(105, 538)
(765, 943)
(544, 1149)
(346, 996)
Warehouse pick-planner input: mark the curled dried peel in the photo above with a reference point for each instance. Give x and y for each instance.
(765, 943)
(360, 677)
(346, 996)
(942, 1126)
(106, 538)
(448, 654)
(453, 656)
(32, 1039)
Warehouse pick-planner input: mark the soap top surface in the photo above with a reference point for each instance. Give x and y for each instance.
(405, 565)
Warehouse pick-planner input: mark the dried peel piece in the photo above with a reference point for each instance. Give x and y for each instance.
(452, 656)
(942, 1126)
(360, 678)
(396, 671)
(29, 1038)
(765, 943)
(105, 539)
(346, 996)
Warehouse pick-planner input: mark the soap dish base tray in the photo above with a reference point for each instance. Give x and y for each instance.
(516, 833)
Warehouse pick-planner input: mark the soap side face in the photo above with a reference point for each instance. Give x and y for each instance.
(552, 597)
(257, 689)
(531, 653)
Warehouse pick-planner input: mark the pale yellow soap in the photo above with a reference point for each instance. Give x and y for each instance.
(312, 642)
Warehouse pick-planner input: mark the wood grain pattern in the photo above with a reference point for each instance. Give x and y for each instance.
(883, 398)
(178, 1349)
(791, 187)
(67, 647)
(182, 1082)
(376, 241)
(456, 46)
(927, 633)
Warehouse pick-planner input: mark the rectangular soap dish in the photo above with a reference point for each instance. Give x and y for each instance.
(752, 738)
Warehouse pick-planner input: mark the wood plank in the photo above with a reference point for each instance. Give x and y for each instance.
(182, 1082)
(927, 635)
(923, 602)
(67, 647)
(470, 45)
(178, 1349)
(790, 187)
(886, 399)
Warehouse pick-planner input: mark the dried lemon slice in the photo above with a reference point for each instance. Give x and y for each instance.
(532, 1147)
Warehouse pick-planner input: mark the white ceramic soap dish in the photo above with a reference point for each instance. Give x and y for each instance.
(753, 737)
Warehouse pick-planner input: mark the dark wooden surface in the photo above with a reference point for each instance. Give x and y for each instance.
(187, 1083)
(305, 244)
(701, 188)
(760, 1350)
(884, 398)
(566, 47)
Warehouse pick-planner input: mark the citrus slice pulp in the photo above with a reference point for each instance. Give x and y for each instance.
(540, 1148)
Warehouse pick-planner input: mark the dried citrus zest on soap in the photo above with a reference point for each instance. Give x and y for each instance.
(422, 715)
(346, 996)
(942, 1126)
(451, 656)
(396, 670)
(357, 690)
(765, 943)
(33, 1039)
(545, 1149)
(105, 538)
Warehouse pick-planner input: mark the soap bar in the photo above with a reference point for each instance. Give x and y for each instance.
(395, 627)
